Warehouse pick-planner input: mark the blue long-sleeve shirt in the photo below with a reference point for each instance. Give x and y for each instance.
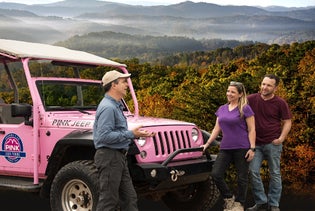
(110, 126)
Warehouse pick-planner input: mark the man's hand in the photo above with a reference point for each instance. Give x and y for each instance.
(138, 132)
(277, 141)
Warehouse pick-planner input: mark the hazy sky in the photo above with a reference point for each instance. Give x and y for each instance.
(286, 3)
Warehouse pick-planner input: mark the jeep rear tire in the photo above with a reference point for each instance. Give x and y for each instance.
(75, 187)
(200, 196)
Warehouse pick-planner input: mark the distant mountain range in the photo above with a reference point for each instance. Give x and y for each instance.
(50, 23)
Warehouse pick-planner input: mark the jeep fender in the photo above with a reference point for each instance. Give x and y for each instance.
(77, 145)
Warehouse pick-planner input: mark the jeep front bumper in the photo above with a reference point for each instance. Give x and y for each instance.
(168, 175)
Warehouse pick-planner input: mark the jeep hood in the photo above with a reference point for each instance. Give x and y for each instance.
(63, 120)
(153, 121)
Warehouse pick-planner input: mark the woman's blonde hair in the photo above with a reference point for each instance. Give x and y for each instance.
(242, 102)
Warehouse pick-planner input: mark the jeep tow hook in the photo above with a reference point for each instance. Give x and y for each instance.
(175, 174)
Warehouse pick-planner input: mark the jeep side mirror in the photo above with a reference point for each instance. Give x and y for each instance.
(22, 110)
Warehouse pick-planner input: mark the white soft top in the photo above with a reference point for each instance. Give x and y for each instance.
(21, 49)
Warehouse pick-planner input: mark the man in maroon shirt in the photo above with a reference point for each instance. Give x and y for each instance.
(273, 123)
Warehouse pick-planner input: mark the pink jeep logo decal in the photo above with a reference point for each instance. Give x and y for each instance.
(12, 148)
(72, 123)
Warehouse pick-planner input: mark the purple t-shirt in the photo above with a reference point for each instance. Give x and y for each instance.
(234, 129)
(268, 117)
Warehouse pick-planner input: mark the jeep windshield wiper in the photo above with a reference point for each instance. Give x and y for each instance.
(71, 108)
(81, 110)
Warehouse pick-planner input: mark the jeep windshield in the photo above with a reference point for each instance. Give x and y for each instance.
(66, 95)
(62, 86)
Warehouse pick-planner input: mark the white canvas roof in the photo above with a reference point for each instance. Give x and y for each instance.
(21, 49)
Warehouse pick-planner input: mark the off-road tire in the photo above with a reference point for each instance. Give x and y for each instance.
(75, 187)
(200, 196)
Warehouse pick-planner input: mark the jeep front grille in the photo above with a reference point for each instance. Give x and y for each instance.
(166, 142)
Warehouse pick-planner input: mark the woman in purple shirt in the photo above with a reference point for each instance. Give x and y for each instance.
(236, 122)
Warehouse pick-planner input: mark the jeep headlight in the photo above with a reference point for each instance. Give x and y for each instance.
(194, 134)
(141, 141)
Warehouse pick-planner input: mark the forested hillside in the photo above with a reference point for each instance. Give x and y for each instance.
(144, 47)
(192, 86)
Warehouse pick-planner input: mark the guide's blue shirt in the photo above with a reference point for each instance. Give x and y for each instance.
(110, 126)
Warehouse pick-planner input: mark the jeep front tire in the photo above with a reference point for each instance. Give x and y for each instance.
(75, 187)
(200, 196)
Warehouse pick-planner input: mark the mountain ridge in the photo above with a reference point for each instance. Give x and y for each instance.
(187, 19)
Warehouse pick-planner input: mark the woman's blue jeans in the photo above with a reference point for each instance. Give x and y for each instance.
(224, 159)
(271, 153)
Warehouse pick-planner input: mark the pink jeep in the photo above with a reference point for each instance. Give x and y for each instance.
(46, 120)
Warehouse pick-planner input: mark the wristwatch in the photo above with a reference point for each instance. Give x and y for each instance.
(253, 149)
